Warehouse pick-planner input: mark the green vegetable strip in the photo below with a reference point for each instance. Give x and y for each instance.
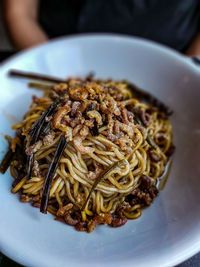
(39, 85)
(149, 139)
(106, 172)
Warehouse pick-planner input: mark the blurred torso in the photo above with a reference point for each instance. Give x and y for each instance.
(170, 22)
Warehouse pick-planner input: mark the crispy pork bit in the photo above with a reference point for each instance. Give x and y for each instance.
(153, 155)
(93, 114)
(75, 107)
(34, 148)
(145, 183)
(68, 135)
(104, 218)
(77, 142)
(63, 210)
(70, 220)
(84, 131)
(144, 194)
(81, 226)
(116, 128)
(92, 175)
(60, 88)
(125, 115)
(145, 118)
(36, 169)
(57, 118)
(49, 138)
(80, 133)
(118, 218)
(78, 93)
(89, 123)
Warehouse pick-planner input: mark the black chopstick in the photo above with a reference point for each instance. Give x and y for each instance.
(51, 172)
(35, 76)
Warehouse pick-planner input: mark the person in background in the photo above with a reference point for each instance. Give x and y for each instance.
(175, 23)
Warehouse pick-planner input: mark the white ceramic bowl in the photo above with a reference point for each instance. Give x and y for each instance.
(169, 231)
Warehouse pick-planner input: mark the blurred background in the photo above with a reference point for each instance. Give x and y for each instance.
(174, 23)
(4, 41)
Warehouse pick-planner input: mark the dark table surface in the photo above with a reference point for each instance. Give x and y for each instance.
(6, 262)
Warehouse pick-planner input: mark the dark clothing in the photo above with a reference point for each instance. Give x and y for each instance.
(170, 22)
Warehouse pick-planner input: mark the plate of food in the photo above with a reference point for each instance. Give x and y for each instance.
(89, 170)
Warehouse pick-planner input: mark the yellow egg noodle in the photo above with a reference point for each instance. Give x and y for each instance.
(103, 124)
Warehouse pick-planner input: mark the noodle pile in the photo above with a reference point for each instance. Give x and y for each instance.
(111, 136)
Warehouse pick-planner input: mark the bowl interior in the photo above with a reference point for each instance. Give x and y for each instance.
(168, 231)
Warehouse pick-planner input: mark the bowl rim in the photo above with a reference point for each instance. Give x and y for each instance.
(109, 36)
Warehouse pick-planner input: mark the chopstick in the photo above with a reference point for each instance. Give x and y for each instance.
(139, 93)
(35, 76)
(51, 172)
